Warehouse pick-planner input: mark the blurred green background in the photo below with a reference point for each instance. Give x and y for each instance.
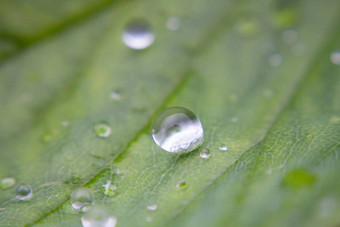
(263, 77)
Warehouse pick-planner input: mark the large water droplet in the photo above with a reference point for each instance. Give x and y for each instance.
(152, 207)
(23, 192)
(205, 154)
(108, 189)
(173, 23)
(177, 130)
(137, 35)
(223, 148)
(81, 197)
(98, 216)
(102, 130)
(7, 182)
(335, 57)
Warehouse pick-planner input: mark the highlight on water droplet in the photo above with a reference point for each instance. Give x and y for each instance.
(152, 207)
(7, 182)
(205, 153)
(177, 130)
(275, 59)
(102, 130)
(173, 23)
(223, 148)
(181, 184)
(108, 189)
(115, 95)
(335, 57)
(98, 216)
(81, 198)
(138, 35)
(23, 192)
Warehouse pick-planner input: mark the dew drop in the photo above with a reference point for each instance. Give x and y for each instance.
(138, 35)
(177, 130)
(223, 148)
(152, 207)
(181, 184)
(7, 182)
(335, 57)
(23, 192)
(108, 189)
(81, 197)
(205, 154)
(173, 23)
(102, 130)
(115, 95)
(269, 171)
(98, 216)
(275, 59)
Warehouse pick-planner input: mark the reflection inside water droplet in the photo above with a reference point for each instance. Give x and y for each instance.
(108, 189)
(181, 184)
(102, 130)
(205, 154)
(137, 35)
(23, 192)
(177, 130)
(152, 207)
(223, 147)
(81, 197)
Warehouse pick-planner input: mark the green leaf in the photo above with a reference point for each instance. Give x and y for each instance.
(269, 94)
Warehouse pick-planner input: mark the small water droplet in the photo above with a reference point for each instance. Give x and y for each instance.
(299, 178)
(267, 93)
(173, 23)
(281, 166)
(234, 120)
(205, 153)
(152, 207)
(148, 219)
(102, 130)
(81, 197)
(223, 148)
(7, 182)
(115, 95)
(275, 59)
(290, 36)
(98, 216)
(177, 130)
(23, 192)
(269, 171)
(181, 184)
(138, 35)
(65, 123)
(335, 57)
(108, 189)
(326, 206)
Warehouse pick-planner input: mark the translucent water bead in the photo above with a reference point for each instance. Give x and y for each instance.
(177, 130)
